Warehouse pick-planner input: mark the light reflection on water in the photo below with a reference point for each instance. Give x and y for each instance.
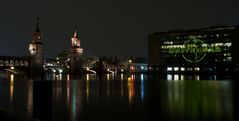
(198, 99)
(119, 97)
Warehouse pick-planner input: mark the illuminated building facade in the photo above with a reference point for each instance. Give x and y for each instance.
(208, 50)
(75, 55)
(36, 51)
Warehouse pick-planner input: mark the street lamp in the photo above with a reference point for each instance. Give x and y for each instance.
(129, 62)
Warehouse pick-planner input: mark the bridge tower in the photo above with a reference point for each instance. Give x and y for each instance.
(75, 54)
(36, 51)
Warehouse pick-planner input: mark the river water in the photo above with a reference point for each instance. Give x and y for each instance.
(139, 97)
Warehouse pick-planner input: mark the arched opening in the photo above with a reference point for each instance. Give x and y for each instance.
(11, 63)
(1, 63)
(25, 63)
(21, 63)
(6, 63)
(16, 63)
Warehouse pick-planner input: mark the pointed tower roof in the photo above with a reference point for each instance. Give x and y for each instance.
(76, 32)
(37, 29)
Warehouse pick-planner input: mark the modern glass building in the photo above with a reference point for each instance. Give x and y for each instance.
(208, 50)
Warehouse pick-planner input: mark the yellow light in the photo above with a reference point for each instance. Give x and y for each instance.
(67, 77)
(130, 61)
(12, 67)
(87, 89)
(129, 78)
(12, 78)
(11, 87)
(87, 77)
(108, 77)
(121, 77)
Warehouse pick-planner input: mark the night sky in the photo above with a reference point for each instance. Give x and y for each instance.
(107, 27)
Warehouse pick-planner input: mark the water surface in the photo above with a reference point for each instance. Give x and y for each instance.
(57, 97)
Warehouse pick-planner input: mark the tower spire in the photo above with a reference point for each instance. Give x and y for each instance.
(76, 32)
(37, 29)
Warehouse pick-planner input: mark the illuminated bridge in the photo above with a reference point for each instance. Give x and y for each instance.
(14, 64)
(90, 66)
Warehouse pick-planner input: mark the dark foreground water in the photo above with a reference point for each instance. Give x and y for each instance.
(121, 98)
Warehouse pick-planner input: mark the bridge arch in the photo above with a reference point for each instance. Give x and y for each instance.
(6, 63)
(26, 63)
(21, 63)
(11, 63)
(1, 63)
(16, 63)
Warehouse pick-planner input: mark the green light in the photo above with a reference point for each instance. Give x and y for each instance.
(193, 50)
(196, 50)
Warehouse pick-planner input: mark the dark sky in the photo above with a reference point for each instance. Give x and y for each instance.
(107, 27)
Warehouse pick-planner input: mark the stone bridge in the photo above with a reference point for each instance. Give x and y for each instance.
(15, 64)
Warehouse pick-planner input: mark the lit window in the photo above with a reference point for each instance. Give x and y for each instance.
(229, 44)
(176, 77)
(189, 69)
(176, 68)
(217, 44)
(182, 69)
(167, 42)
(169, 77)
(204, 45)
(169, 68)
(229, 58)
(197, 69)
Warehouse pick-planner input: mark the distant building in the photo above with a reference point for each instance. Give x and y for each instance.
(36, 51)
(133, 65)
(138, 65)
(208, 50)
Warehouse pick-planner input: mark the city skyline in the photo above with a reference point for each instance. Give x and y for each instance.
(111, 28)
